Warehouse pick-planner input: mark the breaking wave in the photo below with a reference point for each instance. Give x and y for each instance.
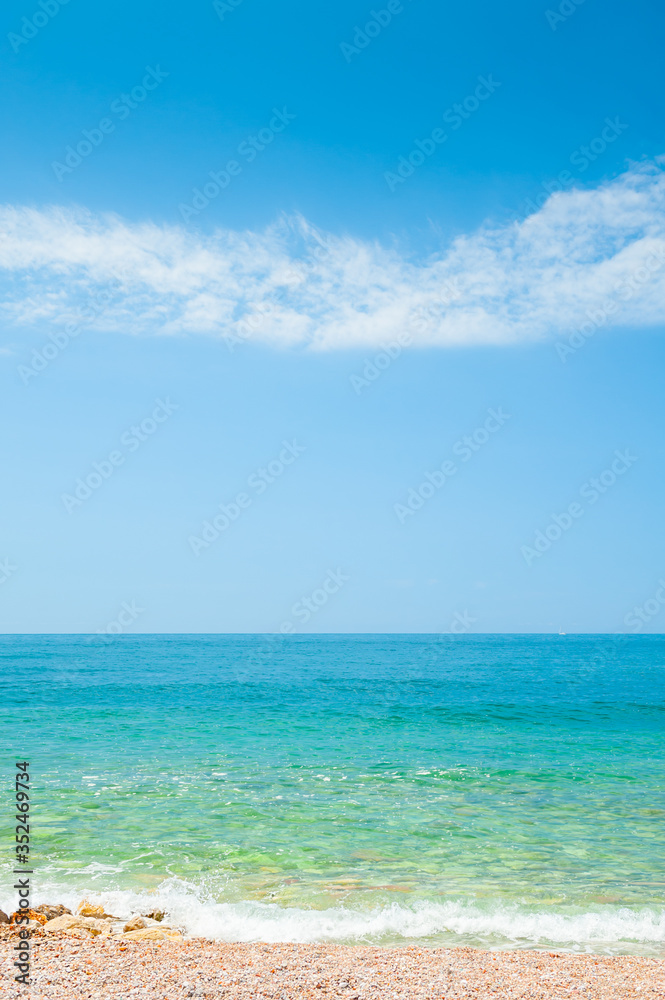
(607, 929)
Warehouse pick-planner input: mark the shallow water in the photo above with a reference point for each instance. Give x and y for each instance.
(503, 791)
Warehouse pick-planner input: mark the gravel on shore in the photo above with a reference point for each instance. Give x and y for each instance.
(71, 968)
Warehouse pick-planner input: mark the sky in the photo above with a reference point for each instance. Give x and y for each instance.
(332, 320)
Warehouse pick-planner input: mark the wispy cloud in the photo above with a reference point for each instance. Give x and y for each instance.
(520, 282)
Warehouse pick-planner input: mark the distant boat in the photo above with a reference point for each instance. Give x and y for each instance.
(561, 633)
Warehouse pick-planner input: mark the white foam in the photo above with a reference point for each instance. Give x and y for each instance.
(605, 928)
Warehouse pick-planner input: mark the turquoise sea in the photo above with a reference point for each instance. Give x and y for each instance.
(498, 791)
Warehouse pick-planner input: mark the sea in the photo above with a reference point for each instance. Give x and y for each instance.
(493, 791)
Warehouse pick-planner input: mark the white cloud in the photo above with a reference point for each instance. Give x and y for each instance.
(499, 285)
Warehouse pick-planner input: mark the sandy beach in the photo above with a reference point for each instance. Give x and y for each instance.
(70, 968)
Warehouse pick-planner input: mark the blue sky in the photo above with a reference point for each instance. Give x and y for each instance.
(388, 287)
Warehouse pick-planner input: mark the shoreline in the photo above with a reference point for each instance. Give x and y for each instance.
(67, 967)
(607, 930)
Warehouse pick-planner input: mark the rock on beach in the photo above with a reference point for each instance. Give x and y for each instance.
(35, 916)
(152, 934)
(51, 911)
(135, 924)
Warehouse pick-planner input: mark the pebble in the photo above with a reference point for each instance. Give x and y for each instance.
(64, 968)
